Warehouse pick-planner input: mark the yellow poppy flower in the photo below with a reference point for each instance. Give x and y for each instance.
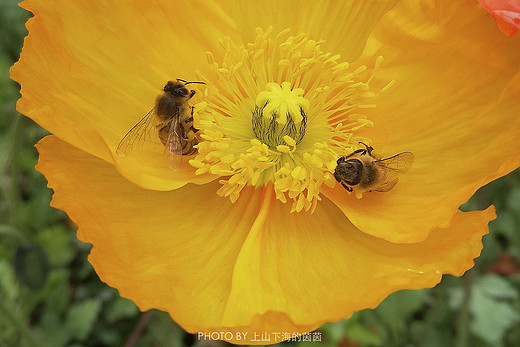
(253, 237)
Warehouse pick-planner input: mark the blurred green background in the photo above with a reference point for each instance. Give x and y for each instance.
(51, 296)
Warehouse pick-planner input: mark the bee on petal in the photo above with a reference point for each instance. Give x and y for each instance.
(363, 172)
(172, 118)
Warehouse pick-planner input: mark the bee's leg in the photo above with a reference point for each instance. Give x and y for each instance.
(190, 120)
(190, 135)
(368, 149)
(362, 151)
(183, 131)
(189, 150)
(346, 187)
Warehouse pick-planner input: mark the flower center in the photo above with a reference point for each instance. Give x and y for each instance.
(279, 112)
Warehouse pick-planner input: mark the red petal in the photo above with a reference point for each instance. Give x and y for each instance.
(506, 14)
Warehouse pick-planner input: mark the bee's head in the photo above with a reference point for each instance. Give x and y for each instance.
(349, 170)
(176, 88)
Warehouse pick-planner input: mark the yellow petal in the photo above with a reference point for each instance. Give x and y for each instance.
(344, 25)
(248, 267)
(455, 104)
(90, 71)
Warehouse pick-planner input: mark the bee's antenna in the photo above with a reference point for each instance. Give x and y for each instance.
(195, 82)
(191, 82)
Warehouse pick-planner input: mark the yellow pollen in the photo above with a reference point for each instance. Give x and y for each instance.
(280, 111)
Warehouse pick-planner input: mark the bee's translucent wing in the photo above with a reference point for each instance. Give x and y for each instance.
(173, 145)
(399, 163)
(387, 185)
(392, 166)
(138, 134)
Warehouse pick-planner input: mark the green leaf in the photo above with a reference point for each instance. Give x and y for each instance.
(363, 335)
(505, 223)
(8, 287)
(162, 331)
(425, 335)
(120, 308)
(492, 249)
(31, 266)
(10, 33)
(497, 287)
(335, 331)
(55, 294)
(491, 309)
(401, 305)
(51, 329)
(513, 200)
(81, 318)
(57, 242)
(455, 298)
(508, 224)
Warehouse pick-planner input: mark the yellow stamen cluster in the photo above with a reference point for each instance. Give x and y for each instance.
(279, 110)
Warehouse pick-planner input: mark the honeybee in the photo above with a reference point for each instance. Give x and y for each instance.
(172, 117)
(362, 171)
